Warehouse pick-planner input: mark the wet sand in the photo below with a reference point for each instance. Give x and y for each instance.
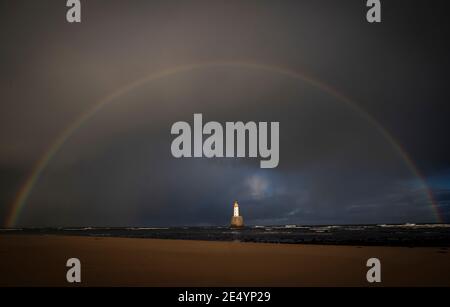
(40, 260)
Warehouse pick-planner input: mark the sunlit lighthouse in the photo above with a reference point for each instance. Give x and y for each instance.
(236, 220)
(236, 209)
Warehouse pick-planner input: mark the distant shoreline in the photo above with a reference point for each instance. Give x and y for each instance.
(409, 235)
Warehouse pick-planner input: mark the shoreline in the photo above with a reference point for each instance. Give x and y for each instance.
(317, 243)
(40, 260)
(395, 236)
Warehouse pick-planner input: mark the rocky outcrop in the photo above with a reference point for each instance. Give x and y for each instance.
(237, 222)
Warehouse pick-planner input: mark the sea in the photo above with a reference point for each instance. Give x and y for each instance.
(411, 235)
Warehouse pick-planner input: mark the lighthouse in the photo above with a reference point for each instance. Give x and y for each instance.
(236, 209)
(237, 221)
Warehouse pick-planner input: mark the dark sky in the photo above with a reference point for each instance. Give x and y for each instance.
(116, 169)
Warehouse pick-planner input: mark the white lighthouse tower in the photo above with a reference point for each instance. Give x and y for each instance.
(236, 209)
(237, 221)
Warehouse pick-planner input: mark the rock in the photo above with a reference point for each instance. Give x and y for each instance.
(237, 221)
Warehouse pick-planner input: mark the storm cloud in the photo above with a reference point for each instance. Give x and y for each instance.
(337, 165)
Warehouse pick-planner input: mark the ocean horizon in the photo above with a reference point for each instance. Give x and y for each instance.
(366, 235)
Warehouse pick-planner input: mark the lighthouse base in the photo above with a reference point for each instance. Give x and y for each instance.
(237, 222)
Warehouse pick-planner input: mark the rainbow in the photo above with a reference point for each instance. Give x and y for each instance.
(26, 188)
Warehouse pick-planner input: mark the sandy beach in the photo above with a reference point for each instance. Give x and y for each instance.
(39, 260)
